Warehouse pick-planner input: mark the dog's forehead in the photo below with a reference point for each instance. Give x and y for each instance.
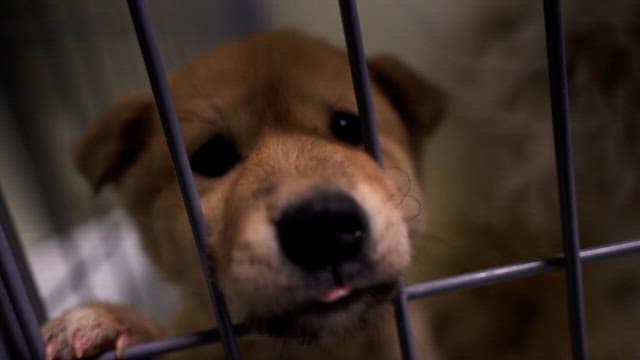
(275, 77)
(286, 58)
(280, 78)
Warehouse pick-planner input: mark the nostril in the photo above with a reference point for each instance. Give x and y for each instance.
(322, 231)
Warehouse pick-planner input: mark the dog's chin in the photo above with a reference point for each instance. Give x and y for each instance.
(317, 321)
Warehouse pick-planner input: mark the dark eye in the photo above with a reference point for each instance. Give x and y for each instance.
(215, 157)
(345, 127)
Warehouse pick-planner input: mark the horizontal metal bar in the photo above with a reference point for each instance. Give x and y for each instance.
(172, 344)
(516, 271)
(173, 135)
(416, 291)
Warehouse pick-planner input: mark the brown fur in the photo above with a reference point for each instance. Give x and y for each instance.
(273, 94)
(490, 175)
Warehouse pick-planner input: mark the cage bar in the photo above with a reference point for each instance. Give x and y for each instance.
(11, 335)
(360, 78)
(466, 281)
(362, 88)
(517, 271)
(403, 325)
(173, 135)
(564, 166)
(4, 348)
(21, 261)
(17, 298)
(164, 346)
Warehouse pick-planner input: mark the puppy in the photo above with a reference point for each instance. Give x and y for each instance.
(491, 176)
(307, 235)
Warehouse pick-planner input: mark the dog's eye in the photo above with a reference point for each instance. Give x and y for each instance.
(345, 127)
(215, 157)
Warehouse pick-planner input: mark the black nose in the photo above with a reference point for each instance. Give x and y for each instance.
(322, 231)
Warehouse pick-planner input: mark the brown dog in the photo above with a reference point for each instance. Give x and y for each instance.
(308, 236)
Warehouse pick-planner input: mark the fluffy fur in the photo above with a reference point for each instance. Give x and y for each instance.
(491, 182)
(273, 96)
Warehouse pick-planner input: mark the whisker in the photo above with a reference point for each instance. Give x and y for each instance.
(407, 187)
(418, 204)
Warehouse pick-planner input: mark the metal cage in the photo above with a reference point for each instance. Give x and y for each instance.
(22, 310)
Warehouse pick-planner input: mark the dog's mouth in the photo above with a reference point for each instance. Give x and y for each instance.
(341, 297)
(331, 270)
(304, 320)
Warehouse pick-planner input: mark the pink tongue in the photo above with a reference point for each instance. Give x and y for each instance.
(334, 294)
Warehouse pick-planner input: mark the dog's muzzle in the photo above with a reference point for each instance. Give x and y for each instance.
(323, 231)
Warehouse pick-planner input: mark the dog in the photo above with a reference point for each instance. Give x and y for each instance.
(308, 236)
(491, 179)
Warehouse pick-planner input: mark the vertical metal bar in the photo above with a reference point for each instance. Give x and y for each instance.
(564, 167)
(159, 84)
(10, 331)
(19, 300)
(23, 266)
(403, 326)
(4, 347)
(360, 78)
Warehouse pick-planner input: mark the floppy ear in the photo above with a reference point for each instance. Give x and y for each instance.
(114, 141)
(420, 103)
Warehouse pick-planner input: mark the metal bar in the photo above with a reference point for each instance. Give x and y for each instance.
(5, 351)
(412, 292)
(21, 261)
(165, 346)
(159, 84)
(19, 299)
(564, 167)
(403, 326)
(10, 331)
(360, 77)
(517, 271)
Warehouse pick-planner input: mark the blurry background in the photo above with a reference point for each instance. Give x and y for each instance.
(63, 62)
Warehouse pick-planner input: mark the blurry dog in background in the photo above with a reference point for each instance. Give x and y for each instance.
(308, 236)
(491, 183)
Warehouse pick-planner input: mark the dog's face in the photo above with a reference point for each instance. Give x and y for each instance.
(306, 233)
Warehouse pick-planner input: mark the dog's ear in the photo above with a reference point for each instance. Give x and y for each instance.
(420, 103)
(114, 141)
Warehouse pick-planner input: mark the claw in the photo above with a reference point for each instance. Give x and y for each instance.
(78, 349)
(80, 344)
(124, 340)
(50, 350)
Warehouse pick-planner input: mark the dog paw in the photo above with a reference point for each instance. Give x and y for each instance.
(90, 330)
